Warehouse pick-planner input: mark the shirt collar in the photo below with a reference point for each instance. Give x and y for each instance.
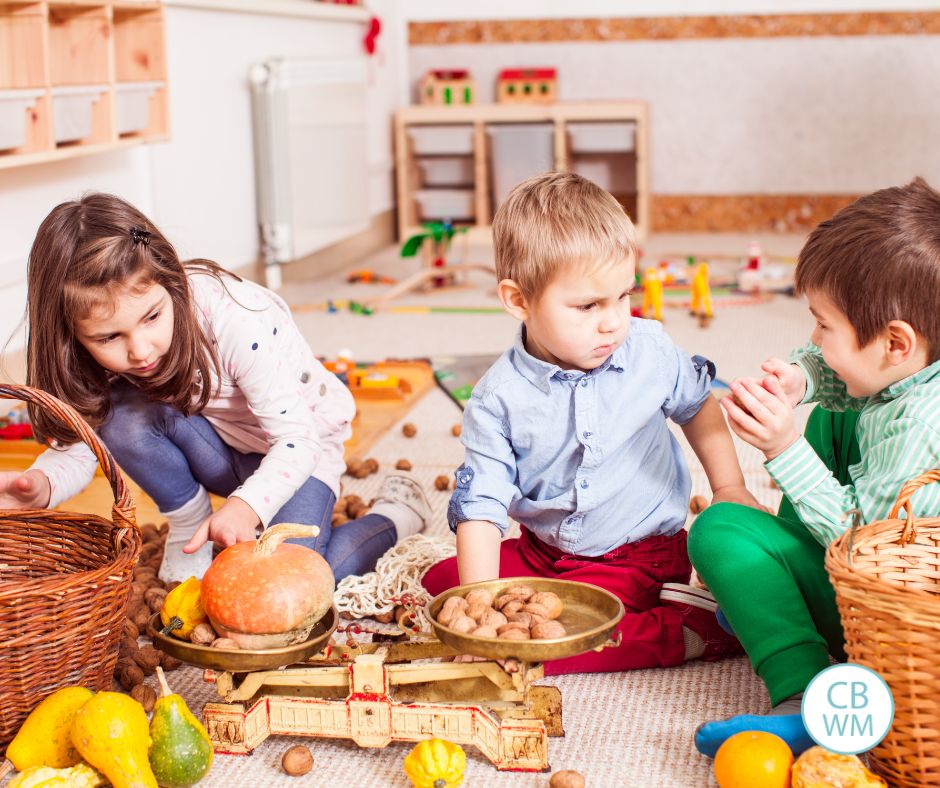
(896, 389)
(540, 373)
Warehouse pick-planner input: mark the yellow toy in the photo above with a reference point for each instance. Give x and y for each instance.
(652, 295)
(701, 305)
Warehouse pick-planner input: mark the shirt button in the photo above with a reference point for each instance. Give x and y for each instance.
(585, 484)
(586, 434)
(584, 382)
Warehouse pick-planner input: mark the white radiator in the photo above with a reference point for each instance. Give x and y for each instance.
(311, 162)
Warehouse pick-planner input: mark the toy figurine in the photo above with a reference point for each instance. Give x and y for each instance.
(701, 305)
(652, 294)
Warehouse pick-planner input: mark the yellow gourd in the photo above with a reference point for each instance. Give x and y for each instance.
(436, 763)
(182, 609)
(112, 733)
(45, 738)
(79, 776)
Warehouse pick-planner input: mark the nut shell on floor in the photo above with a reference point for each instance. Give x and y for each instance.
(297, 760)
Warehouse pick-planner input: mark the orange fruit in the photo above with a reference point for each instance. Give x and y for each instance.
(753, 759)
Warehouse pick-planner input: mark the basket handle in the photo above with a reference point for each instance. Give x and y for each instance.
(904, 502)
(122, 512)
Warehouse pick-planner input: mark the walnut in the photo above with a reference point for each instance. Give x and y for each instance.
(480, 595)
(463, 624)
(492, 618)
(145, 696)
(550, 601)
(203, 634)
(147, 658)
(225, 643)
(514, 633)
(519, 590)
(297, 760)
(547, 630)
(484, 631)
(698, 504)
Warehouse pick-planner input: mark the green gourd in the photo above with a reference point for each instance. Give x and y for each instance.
(180, 750)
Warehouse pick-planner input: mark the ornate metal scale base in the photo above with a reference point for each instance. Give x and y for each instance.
(398, 689)
(375, 694)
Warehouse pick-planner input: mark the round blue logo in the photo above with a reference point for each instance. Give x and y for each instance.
(848, 708)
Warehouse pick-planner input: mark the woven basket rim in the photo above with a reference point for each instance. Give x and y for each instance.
(837, 557)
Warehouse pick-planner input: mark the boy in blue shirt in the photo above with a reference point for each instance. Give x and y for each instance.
(566, 433)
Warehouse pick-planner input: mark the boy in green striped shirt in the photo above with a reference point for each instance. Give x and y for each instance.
(871, 275)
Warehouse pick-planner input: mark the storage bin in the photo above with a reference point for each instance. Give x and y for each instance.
(441, 140)
(72, 111)
(133, 105)
(601, 137)
(456, 171)
(519, 152)
(444, 204)
(14, 120)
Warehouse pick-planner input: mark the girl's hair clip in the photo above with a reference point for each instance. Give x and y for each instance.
(140, 236)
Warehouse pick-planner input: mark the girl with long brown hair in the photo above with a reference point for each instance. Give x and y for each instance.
(197, 381)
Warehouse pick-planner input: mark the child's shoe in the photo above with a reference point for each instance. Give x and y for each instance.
(697, 608)
(683, 594)
(182, 523)
(402, 500)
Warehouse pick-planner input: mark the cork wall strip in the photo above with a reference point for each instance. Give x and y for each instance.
(665, 28)
(743, 212)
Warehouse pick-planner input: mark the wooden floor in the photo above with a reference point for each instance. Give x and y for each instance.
(373, 418)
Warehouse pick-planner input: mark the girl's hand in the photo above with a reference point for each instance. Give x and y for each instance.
(30, 490)
(760, 414)
(737, 493)
(234, 522)
(790, 377)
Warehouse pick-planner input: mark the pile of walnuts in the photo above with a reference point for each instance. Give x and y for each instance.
(518, 613)
(146, 598)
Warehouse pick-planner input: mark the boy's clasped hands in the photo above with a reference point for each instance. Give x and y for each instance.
(760, 411)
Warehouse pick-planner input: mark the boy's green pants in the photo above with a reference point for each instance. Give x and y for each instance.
(768, 576)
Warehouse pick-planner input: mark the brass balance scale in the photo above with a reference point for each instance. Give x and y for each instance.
(397, 689)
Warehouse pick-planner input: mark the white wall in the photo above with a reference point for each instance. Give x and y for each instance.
(839, 115)
(199, 186)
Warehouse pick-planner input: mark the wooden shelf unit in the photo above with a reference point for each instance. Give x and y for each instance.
(114, 50)
(481, 116)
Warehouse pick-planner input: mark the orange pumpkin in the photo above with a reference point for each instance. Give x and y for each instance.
(266, 594)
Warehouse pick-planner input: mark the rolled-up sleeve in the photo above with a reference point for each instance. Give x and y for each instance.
(691, 382)
(485, 484)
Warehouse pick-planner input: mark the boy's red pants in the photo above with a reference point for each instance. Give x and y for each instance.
(652, 631)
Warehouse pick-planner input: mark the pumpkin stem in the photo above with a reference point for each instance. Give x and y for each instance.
(276, 534)
(173, 624)
(163, 685)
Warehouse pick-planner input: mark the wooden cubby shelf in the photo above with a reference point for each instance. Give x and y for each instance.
(80, 77)
(448, 160)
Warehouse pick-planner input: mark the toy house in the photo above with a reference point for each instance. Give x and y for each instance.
(527, 85)
(441, 86)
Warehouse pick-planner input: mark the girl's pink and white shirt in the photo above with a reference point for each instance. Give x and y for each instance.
(273, 398)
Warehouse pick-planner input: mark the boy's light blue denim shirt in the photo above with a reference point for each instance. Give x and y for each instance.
(584, 460)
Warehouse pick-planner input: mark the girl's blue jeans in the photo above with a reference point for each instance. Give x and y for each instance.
(170, 455)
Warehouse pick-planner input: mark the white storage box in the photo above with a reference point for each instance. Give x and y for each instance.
(456, 171)
(602, 137)
(441, 140)
(133, 105)
(72, 111)
(14, 105)
(444, 204)
(519, 152)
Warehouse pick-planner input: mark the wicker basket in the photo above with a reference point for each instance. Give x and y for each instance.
(64, 584)
(887, 581)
